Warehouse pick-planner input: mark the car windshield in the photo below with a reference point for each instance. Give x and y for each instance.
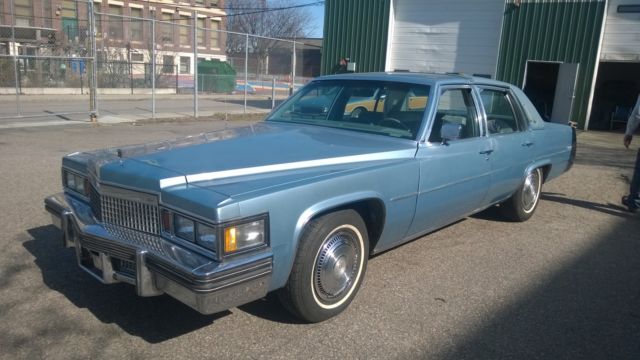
(386, 108)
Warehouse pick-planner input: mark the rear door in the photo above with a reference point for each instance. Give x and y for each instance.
(454, 173)
(511, 139)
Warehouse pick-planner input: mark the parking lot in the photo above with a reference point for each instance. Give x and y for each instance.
(564, 285)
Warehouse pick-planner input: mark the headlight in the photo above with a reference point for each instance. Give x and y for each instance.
(184, 228)
(221, 239)
(75, 182)
(243, 236)
(207, 237)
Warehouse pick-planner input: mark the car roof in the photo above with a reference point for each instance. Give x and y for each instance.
(417, 78)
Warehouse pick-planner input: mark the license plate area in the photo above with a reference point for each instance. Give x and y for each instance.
(105, 268)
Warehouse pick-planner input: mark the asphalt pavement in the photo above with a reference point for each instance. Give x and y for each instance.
(563, 285)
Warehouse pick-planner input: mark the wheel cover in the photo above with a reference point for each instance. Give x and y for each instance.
(531, 191)
(337, 266)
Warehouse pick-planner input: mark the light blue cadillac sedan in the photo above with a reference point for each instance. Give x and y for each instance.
(297, 203)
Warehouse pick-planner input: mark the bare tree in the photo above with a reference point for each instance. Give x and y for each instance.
(277, 19)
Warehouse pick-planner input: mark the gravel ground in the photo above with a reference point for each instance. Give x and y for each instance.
(564, 285)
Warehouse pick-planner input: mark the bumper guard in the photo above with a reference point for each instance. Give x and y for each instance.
(156, 266)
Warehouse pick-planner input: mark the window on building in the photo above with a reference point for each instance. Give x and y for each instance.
(167, 28)
(167, 64)
(136, 24)
(137, 57)
(185, 39)
(214, 34)
(185, 65)
(47, 13)
(99, 29)
(116, 25)
(69, 9)
(23, 12)
(200, 31)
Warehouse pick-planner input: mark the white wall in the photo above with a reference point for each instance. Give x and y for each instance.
(445, 36)
(621, 33)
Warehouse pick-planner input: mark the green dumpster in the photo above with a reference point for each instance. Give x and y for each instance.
(216, 76)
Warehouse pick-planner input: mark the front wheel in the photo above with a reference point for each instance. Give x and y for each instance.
(523, 203)
(329, 266)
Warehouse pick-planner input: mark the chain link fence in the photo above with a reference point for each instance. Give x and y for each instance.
(84, 60)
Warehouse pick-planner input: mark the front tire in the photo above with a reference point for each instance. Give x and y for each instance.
(523, 203)
(329, 267)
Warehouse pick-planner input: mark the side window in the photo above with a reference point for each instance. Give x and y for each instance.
(456, 115)
(501, 117)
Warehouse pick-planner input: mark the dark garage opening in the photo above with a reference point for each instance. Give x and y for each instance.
(616, 91)
(540, 85)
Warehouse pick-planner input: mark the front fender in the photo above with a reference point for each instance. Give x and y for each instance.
(325, 206)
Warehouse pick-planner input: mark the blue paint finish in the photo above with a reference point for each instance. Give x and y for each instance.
(295, 172)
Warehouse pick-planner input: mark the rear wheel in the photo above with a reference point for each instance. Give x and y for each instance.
(523, 203)
(329, 266)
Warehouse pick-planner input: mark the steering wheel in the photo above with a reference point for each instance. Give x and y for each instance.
(393, 123)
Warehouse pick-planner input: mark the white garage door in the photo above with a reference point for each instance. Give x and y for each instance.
(445, 36)
(621, 33)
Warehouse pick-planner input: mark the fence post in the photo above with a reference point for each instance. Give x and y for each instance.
(93, 78)
(246, 70)
(293, 71)
(195, 64)
(153, 66)
(16, 78)
(130, 74)
(273, 92)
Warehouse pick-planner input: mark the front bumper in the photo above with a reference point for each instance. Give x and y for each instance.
(156, 266)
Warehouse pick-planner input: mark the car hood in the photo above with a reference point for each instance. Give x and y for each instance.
(238, 161)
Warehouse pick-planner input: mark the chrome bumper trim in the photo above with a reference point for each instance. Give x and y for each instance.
(161, 267)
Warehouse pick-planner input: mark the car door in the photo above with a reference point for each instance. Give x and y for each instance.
(454, 172)
(511, 138)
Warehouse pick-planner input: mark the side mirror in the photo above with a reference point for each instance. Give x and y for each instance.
(449, 132)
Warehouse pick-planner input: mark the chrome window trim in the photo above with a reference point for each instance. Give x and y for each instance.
(434, 111)
(517, 112)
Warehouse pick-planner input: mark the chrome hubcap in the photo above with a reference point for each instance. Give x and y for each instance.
(336, 266)
(531, 191)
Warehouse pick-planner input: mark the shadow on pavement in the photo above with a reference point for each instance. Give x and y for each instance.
(588, 308)
(617, 157)
(609, 209)
(154, 319)
(270, 308)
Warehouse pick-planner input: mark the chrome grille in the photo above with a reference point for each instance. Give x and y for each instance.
(129, 209)
(124, 267)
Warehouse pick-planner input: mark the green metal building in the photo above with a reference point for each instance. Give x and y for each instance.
(573, 58)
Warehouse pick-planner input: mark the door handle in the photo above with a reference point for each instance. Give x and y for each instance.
(527, 144)
(486, 152)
